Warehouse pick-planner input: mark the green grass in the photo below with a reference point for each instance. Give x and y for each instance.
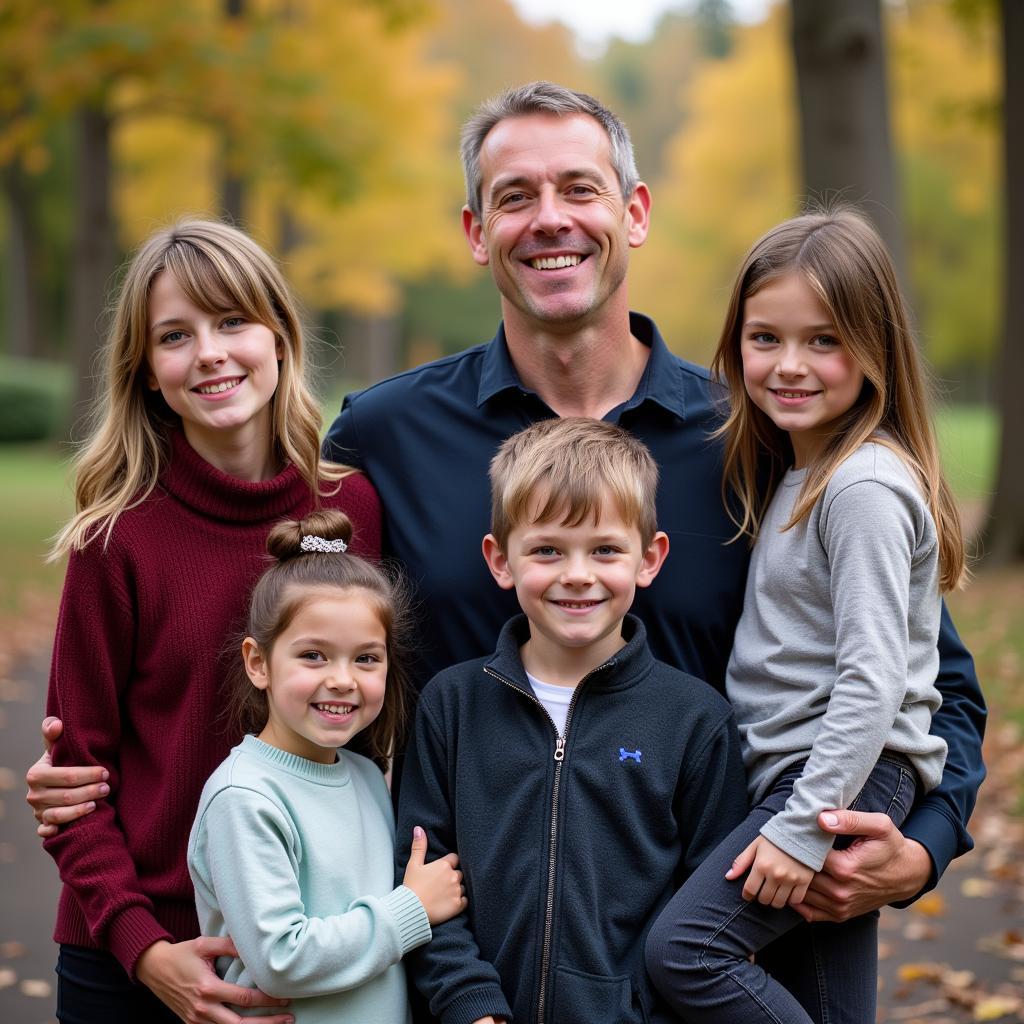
(967, 439)
(37, 501)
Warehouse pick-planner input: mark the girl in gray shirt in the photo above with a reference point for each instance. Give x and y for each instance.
(832, 674)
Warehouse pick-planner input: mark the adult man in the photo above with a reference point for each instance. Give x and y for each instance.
(554, 205)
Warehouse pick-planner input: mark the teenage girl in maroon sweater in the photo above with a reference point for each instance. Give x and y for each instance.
(205, 437)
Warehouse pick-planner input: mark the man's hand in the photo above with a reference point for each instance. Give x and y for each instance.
(59, 795)
(181, 975)
(881, 866)
(775, 878)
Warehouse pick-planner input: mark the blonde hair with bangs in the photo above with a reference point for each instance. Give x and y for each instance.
(220, 269)
(843, 259)
(574, 464)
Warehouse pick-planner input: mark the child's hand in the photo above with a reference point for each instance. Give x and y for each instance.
(438, 884)
(775, 878)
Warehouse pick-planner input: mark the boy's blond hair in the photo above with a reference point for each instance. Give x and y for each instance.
(573, 464)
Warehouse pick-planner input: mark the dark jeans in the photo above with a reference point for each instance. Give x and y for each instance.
(698, 950)
(92, 988)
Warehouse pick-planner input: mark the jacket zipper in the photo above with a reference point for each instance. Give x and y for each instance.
(559, 757)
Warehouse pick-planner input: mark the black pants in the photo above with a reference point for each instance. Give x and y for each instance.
(92, 988)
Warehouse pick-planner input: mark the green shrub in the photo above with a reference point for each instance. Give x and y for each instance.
(33, 399)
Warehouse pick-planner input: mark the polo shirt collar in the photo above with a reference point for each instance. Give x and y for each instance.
(662, 380)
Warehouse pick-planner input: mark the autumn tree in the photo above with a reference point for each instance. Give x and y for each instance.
(68, 60)
(329, 112)
(1004, 535)
(489, 47)
(842, 94)
(24, 157)
(947, 137)
(729, 173)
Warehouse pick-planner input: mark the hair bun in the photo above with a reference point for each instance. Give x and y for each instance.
(285, 540)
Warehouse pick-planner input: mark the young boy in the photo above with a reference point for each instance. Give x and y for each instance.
(578, 779)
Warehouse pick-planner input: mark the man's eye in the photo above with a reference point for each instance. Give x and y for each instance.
(579, 191)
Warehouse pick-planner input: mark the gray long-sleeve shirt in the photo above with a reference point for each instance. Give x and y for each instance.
(835, 653)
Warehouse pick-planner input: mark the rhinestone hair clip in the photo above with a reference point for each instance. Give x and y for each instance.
(310, 542)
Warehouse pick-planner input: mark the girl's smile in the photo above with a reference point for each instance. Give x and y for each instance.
(219, 389)
(325, 675)
(795, 367)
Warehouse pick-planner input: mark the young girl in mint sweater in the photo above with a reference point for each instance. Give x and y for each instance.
(292, 851)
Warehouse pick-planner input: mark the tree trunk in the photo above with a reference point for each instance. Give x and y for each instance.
(232, 190)
(370, 347)
(1003, 538)
(232, 186)
(846, 152)
(22, 306)
(93, 250)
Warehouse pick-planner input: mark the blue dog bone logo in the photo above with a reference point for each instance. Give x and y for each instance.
(625, 755)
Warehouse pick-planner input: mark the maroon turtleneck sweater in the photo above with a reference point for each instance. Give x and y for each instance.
(139, 663)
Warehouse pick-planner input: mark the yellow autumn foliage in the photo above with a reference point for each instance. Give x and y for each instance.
(336, 122)
(730, 174)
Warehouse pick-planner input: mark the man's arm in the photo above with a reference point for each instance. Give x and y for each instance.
(891, 866)
(462, 987)
(341, 444)
(939, 821)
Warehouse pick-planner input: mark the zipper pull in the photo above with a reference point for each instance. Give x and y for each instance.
(560, 749)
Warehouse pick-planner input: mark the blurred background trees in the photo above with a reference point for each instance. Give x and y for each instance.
(329, 129)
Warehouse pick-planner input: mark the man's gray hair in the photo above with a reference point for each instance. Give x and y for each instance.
(542, 98)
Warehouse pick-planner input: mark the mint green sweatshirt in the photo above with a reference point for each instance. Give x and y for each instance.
(295, 861)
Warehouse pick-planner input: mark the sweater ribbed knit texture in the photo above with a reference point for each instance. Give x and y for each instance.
(294, 860)
(139, 660)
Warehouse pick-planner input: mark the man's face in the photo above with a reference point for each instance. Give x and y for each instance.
(555, 229)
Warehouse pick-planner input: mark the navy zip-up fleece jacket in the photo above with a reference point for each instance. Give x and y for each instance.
(567, 861)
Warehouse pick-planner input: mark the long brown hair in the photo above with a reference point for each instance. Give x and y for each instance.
(220, 269)
(291, 580)
(844, 260)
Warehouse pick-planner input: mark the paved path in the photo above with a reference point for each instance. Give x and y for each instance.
(28, 878)
(933, 967)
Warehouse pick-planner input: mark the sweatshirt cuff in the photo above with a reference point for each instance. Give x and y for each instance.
(131, 933)
(940, 838)
(471, 1006)
(410, 917)
(810, 850)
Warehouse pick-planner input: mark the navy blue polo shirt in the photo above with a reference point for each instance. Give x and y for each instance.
(426, 437)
